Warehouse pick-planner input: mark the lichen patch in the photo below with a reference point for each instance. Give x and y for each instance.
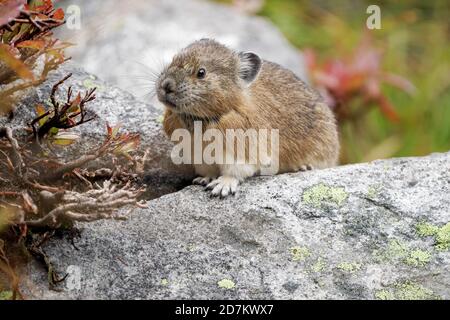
(300, 253)
(321, 193)
(418, 258)
(441, 234)
(407, 290)
(319, 265)
(226, 284)
(349, 267)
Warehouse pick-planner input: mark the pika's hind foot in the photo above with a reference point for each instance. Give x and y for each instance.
(307, 167)
(203, 181)
(223, 186)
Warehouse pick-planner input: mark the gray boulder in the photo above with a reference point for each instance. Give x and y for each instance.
(126, 42)
(379, 230)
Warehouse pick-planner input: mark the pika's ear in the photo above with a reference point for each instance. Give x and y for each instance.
(250, 65)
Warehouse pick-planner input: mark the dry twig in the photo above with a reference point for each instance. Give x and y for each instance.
(96, 204)
(60, 117)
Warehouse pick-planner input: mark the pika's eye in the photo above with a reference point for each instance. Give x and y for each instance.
(201, 73)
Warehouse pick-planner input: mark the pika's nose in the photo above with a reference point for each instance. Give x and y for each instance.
(168, 86)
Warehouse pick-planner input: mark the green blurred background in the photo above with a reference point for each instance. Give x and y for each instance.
(414, 39)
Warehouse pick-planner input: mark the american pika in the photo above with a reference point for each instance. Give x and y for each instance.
(225, 89)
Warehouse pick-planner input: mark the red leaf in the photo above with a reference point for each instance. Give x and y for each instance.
(400, 82)
(388, 109)
(59, 14)
(40, 110)
(112, 131)
(41, 5)
(9, 9)
(128, 144)
(108, 129)
(77, 100)
(33, 44)
(8, 57)
(358, 75)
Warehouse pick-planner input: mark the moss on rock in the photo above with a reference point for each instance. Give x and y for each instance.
(440, 234)
(418, 258)
(407, 290)
(321, 193)
(399, 251)
(6, 295)
(226, 284)
(300, 253)
(350, 267)
(319, 265)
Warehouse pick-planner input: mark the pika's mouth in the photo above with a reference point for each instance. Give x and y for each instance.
(167, 90)
(167, 100)
(169, 103)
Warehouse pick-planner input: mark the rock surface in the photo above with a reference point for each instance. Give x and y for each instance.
(133, 39)
(113, 106)
(378, 230)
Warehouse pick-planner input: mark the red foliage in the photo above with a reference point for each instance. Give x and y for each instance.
(25, 36)
(10, 9)
(359, 75)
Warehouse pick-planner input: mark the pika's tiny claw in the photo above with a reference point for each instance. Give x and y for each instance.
(212, 184)
(202, 181)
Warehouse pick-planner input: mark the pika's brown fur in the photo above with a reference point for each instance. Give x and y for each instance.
(241, 91)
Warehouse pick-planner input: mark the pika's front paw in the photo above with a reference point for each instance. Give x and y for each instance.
(202, 181)
(223, 186)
